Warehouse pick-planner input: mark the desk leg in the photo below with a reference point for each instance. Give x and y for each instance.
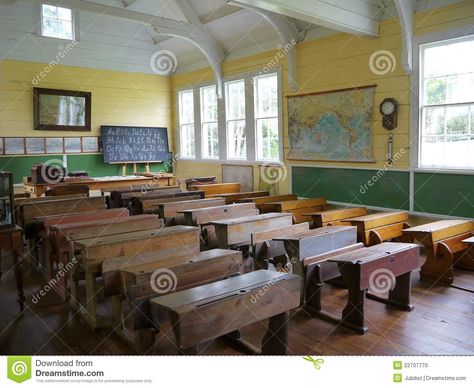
(438, 267)
(0, 263)
(400, 295)
(275, 340)
(18, 266)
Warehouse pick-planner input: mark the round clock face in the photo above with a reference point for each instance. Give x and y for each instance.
(388, 107)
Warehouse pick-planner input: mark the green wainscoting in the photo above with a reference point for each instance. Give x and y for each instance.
(388, 189)
(20, 166)
(450, 194)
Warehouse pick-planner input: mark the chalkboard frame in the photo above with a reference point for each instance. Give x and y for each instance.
(104, 153)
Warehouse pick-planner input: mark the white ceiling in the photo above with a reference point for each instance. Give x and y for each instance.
(117, 43)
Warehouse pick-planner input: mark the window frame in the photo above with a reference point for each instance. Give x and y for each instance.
(222, 122)
(417, 90)
(74, 22)
(180, 124)
(227, 120)
(202, 123)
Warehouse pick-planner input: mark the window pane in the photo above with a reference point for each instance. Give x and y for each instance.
(210, 144)
(435, 91)
(433, 121)
(267, 139)
(432, 151)
(50, 11)
(64, 14)
(50, 27)
(457, 120)
(460, 88)
(449, 59)
(472, 119)
(235, 97)
(236, 140)
(188, 143)
(456, 151)
(186, 107)
(64, 30)
(208, 103)
(266, 92)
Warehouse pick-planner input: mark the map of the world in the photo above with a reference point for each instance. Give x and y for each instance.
(334, 126)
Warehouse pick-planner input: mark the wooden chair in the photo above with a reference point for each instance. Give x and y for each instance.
(67, 189)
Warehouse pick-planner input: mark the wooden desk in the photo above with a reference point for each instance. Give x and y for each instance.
(169, 210)
(206, 312)
(148, 204)
(38, 189)
(122, 197)
(217, 188)
(238, 231)
(94, 251)
(235, 197)
(376, 228)
(360, 269)
(298, 208)
(204, 216)
(335, 216)
(142, 281)
(12, 238)
(443, 240)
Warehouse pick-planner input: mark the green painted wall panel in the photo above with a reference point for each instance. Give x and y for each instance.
(20, 166)
(449, 194)
(388, 189)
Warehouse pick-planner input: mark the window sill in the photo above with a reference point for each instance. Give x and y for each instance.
(439, 170)
(234, 161)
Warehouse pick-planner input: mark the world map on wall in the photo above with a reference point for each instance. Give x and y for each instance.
(333, 126)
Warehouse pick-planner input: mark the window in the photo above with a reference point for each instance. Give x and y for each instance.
(447, 104)
(266, 117)
(235, 116)
(209, 128)
(186, 124)
(245, 125)
(57, 22)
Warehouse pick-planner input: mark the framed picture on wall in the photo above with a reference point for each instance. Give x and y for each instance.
(14, 146)
(61, 110)
(90, 144)
(72, 144)
(54, 145)
(35, 145)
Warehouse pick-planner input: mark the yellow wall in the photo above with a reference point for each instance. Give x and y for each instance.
(118, 98)
(335, 62)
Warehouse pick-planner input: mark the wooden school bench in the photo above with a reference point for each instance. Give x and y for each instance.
(203, 218)
(169, 211)
(148, 204)
(298, 208)
(210, 311)
(121, 197)
(217, 188)
(94, 251)
(64, 235)
(140, 282)
(235, 197)
(12, 239)
(238, 231)
(265, 248)
(443, 241)
(376, 228)
(381, 268)
(335, 216)
(260, 201)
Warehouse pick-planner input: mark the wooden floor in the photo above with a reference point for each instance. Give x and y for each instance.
(442, 323)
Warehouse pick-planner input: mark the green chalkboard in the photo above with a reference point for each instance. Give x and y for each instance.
(449, 194)
(381, 188)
